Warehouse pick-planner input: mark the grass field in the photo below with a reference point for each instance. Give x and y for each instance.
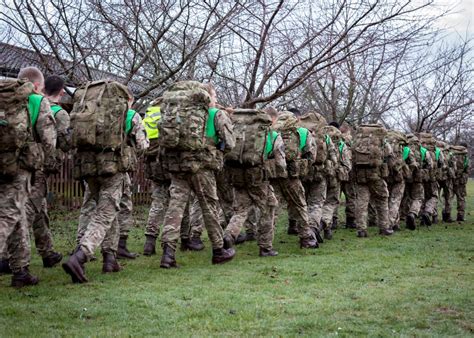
(417, 283)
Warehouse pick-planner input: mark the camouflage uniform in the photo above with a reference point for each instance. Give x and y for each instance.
(14, 236)
(202, 182)
(446, 181)
(37, 205)
(159, 203)
(431, 186)
(460, 184)
(255, 190)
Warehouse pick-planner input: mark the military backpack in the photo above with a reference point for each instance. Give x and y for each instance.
(315, 123)
(368, 146)
(287, 127)
(461, 159)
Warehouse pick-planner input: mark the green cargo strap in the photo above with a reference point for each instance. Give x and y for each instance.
(466, 161)
(303, 132)
(128, 121)
(271, 137)
(437, 153)
(327, 139)
(341, 147)
(423, 151)
(55, 109)
(150, 122)
(34, 105)
(406, 152)
(210, 125)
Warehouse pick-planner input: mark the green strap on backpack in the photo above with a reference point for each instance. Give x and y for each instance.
(423, 151)
(327, 139)
(210, 126)
(128, 121)
(271, 137)
(437, 153)
(34, 105)
(341, 146)
(55, 109)
(303, 133)
(406, 153)
(466, 162)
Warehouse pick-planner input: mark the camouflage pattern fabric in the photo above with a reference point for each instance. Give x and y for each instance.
(159, 203)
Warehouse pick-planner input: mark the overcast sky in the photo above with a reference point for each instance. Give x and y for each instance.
(461, 20)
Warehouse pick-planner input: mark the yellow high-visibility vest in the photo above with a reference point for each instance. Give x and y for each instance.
(150, 122)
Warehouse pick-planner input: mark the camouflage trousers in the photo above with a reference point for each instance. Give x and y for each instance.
(293, 192)
(253, 219)
(348, 188)
(315, 197)
(160, 198)
(203, 184)
(37, 214)
(262, 196)
(460, 192)
(14, 235)
(412, 198)
(431, 197)
(395, 190)
(99, 212)
(331, 203)
(375, 191)
(446, 188)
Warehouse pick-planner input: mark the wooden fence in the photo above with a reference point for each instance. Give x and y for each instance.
(66, 193)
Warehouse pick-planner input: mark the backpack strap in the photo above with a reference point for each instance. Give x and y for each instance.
(211, 126)
(341, 146)
(327, 139)
(128, 121)
(303, 133)
(55, 109)
(437, 153)
(466, 161)
(34, 105)
(423, 151)
(406, 153)
(271, 137)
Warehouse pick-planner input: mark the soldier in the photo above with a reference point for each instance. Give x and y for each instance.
(102, 159)
(414, 191)
(446, 180)
(371, 157)
(193, 161)
(300, 153)
(461, 156)
(246, 167)
(22, 151)
(348, 186)
(341, 174)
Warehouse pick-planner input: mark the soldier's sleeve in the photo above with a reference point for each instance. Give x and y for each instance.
(279, 154)
(346, 158)
(138, 132)
(63, 124)
(225, 130)
(46, 128)
(310, 148)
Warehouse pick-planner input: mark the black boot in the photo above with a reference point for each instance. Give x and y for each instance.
(150, 246)
(435, 219)
(396, 227)
(194, 244)
(292, 227)
(241, 238)
(334, 223)
(168, 259)
(74, 266)
(362, 233)
(411, 221)
(447, 217)
(23, 278)
(328, 234)
(5, 267)
(122, 251)
(250, 237)
(221, 256)
(350, 223)
(109, 263)
(52, 260)
(425, 219)
(317, 234)
(228, 242)
(268, 252)
(460, 218)
(308, 243)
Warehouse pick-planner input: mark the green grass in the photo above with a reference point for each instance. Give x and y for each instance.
(417, 283)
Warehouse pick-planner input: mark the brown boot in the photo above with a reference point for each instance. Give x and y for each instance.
(308, 243)
(268, 252)
(149, 248)
(5, 267)
(168, 259)
(221, 256)
(74, 266)
(122, 251)
(385, 232)
(52, 260)
(23, 278)
(109, 263)
(292, 227)
(362, 233)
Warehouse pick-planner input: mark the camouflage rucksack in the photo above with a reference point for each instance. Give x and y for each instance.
(287, 126)
(428, 141)
(315, 123)
(368, 146)
(461, 159)
(399, 143)
(98, 116)
(251, 130)
(184, 112)
(19, 109)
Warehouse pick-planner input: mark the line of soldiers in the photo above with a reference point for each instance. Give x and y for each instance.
(227, 170)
